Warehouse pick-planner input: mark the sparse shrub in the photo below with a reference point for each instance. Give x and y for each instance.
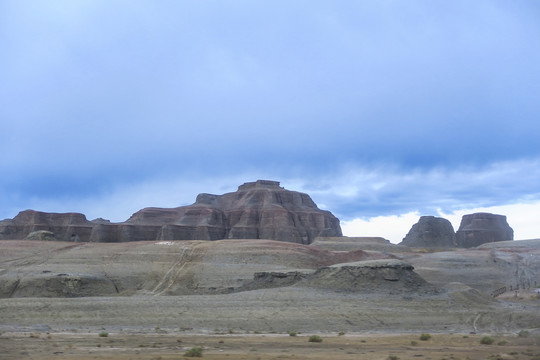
(487, 340)
(502, 342)
(103, 334)
(465, 336)
(523, 333)
(292, 333)
(414, 343)
(315, 338)
(392, 357)
(425, 337)
(194, 352)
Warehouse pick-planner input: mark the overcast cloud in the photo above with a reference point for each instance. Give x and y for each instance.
(374, 108)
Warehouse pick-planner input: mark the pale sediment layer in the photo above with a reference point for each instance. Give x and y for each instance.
(264, 286)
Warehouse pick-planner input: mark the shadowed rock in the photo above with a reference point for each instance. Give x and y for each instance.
(258, 210)
(431, 232)
(480, 228)
(389, 276)
(385, 275)
(42, 235)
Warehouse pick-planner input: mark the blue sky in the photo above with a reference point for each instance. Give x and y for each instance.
(380, 110)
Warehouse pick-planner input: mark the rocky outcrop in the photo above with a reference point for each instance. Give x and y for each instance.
(386, 275)
(389, 276)
(431, 232)
(258, 210)
(58, 285)
(42, 235)
(29, 223)
(480, 228)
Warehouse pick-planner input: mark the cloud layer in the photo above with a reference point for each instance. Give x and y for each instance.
(373, 108)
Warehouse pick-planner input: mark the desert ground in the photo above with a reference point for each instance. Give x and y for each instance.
(240, 299)
(163, 345)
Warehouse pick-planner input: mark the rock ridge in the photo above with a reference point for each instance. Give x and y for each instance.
(391, 276)
(257, 210)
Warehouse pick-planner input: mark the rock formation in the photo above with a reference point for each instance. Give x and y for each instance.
(390, 276)
(258, 210)
(385, 275)
(479, 228)
(431, 232)
(32, 224)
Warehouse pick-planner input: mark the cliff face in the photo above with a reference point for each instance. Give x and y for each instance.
(479, 228)
(431, 231)
(257, 210)
(65, 227)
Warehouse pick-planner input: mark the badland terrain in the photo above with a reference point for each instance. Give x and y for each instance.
(261, 260)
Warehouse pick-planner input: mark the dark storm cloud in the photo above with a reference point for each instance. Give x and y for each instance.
(419, 99)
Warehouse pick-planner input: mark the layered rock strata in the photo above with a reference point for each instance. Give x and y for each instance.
(390, 276)
(431, 232)
(257, 210)
(480, 228)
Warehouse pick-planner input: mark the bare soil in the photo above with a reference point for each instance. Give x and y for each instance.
(161, 345)
(155, 300)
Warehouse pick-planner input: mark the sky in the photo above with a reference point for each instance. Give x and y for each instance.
(382, 111)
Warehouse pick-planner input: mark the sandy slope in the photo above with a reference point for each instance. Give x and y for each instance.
(195, 286)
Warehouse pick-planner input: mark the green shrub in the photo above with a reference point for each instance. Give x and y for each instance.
(523, 333)
(292, 333)
(502, 342)
(392, 357)
(425, 337)
(487, 340)
(341, 333)
(103, 334)
(315, 338)
(194, 352)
